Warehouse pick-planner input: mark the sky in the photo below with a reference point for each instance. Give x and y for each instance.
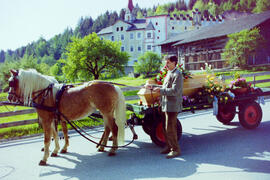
(25, 21)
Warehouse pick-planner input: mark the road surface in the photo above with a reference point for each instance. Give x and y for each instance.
(210, 150)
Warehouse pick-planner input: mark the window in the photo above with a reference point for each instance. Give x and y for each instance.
(148, 47)
(121, 28)
(131, 49)
(148, 35)
(139, 48)
(158, 37)
(112, 38)
(131, 36)
(117, 29)
(139, 35)
(122, 37)
(122, 48)
(156, 23)
(173, 28)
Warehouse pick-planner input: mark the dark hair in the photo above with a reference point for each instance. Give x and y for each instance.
(172, 58)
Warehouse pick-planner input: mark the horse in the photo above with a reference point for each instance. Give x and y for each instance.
(29, 86)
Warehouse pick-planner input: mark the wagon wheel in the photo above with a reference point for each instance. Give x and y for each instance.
(250, 115)
(157, 135)
(152, 116)
(226, 113)
(147, 129)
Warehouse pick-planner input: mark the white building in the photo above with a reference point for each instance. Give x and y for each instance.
(141, 35)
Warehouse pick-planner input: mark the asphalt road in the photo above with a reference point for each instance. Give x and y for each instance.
(210, 150)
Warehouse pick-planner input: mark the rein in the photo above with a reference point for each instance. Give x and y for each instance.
(113, 83)
(45, 92)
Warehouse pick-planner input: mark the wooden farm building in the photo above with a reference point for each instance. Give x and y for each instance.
(197, 47)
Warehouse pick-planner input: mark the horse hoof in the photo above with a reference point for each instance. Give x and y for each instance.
(111, 154)
(63, 151)
(101, 150)
(42, 149)
(54, 155)
(42, 163)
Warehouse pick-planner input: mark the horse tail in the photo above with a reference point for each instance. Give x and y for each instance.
(120, 115)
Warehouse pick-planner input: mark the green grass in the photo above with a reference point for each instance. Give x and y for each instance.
(35, 129)
(30, 129)
(129, 81)
(130, 93)
(250, 79)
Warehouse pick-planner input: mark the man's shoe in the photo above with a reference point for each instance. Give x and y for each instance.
(166, 150)
(173, 154)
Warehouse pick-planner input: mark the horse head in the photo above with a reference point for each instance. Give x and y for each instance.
(23, 83)
(14, 91)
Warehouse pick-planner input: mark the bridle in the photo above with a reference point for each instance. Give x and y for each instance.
(12, 96)
(13, 84)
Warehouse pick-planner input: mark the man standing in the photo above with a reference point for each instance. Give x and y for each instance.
(171, 104)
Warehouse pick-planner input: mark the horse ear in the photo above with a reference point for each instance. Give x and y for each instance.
(14, 72)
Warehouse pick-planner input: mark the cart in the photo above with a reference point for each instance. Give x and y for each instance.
(246, 105)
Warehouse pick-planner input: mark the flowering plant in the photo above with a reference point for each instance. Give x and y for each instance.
(240, 83)
(162, 74)
(214, 88)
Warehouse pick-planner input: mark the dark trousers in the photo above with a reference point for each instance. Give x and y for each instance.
(171, 131)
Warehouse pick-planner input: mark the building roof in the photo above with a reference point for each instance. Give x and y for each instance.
(137, 24)
(219, 30)
(130, 5)
(150, 26)
(106, 30)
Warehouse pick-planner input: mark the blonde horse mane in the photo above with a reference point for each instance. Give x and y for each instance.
(31, 81)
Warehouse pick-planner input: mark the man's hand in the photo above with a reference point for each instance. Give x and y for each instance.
(156, 90)
(148, 86)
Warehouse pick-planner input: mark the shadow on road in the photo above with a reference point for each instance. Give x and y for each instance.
(239, 148)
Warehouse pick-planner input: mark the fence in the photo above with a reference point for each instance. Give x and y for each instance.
(32, 121)
(254, 75)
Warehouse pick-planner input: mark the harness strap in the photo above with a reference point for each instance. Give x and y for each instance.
(76, 129)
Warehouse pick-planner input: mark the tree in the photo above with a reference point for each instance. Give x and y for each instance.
(2, 56)
(5, 74)
(91, 56)
(200, 5)
(241, 45)
(246, 5)
(41, 47)
(191, 4)
(139, 15)
(261, 6)
(212, 8)
(161, 10)
(147, 63)
(122, 14)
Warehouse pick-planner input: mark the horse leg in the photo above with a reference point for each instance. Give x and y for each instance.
(114, 130)
(65, 132)
(47, 141)
(104, 139)
(56, 141)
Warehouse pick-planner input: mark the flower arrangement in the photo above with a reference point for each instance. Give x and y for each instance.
(240, 83)
(208, 68)
(162, 74)
(214, 88)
